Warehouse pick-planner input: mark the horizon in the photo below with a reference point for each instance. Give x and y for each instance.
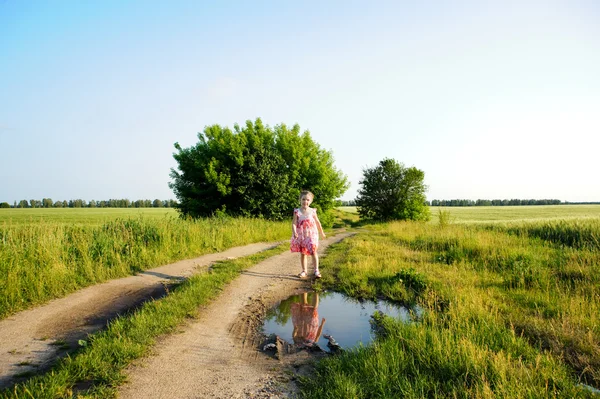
(491, 101)
(148, 202)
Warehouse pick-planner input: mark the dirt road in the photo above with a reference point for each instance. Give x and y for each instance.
(28, 340)
(217, 355)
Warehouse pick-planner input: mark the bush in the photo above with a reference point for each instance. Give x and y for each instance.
(254, 171)
(391, 191)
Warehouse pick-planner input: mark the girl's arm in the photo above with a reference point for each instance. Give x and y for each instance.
(318, 222)
(294, 232)
(320, 330)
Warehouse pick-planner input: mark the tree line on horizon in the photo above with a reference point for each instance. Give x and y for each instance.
(80, 203)
(495, 202)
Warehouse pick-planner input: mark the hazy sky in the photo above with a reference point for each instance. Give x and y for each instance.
(491, 99)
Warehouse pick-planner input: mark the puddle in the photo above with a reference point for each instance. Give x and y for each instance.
(590, 388)
(311, 317)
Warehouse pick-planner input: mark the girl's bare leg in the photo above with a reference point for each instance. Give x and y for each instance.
(314, 299)
(315, 257)
(303, 262)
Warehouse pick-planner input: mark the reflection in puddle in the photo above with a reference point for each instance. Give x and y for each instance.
(310, 318)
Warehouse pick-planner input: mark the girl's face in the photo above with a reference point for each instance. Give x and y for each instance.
(305, 201)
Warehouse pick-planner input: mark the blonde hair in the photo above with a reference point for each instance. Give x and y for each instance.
(306, 192)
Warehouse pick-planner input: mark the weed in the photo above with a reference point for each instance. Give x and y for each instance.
(444, 218)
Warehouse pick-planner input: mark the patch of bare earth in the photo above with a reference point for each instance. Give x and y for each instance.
(32, 340)
(219, 354)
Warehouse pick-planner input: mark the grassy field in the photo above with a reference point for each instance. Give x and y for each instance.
(512, 308)
(495, 214)
(79, 216)
(45, 254)
(513, 311)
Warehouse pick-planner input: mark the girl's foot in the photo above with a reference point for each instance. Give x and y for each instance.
(302, 275)
(317, 274)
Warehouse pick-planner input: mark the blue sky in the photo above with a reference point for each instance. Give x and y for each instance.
(497, 99)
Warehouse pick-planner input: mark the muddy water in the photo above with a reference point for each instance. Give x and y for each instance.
(311, 317)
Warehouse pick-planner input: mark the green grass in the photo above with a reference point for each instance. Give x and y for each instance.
(99, 364)
(512, 308)
(510, 312)
(341, 218)
(44, 259)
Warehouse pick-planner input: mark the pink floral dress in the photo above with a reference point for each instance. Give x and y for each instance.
(307, 241)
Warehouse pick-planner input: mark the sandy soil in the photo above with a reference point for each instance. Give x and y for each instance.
(32, 340)
(219, 354)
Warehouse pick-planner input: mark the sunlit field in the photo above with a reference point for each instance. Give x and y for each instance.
(48, 253)
(512, 310)
(486, 214)
(79, 216)
(510, 295)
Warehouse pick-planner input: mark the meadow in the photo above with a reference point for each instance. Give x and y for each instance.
(511, 298)
(501, 214)
(80, 216)
(48, 253)
(513, 310)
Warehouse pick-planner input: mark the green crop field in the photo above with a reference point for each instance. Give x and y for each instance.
(79, 216)
(487, 214)
(492, 214)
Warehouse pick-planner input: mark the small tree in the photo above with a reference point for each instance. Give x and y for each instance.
(4, 205)
(390, 191)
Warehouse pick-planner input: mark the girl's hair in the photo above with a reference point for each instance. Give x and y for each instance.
(306, 192)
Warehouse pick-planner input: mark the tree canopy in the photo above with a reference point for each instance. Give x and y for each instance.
(390, 191)
(254, 170)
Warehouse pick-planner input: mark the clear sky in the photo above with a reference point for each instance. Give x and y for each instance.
(491, 99)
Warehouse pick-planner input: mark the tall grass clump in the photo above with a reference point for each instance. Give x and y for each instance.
(506, 315)
(41, 261)
(444, 218)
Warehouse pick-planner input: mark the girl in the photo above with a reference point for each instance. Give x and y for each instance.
(305, 233)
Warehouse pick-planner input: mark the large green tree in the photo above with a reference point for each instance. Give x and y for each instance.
(254, 170)
(391, 191)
